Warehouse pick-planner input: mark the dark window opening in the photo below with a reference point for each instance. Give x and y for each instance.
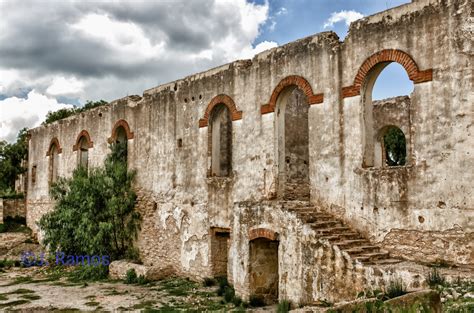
(220, 140)
(394, 146)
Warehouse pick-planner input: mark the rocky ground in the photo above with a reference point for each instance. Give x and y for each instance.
(37, 290)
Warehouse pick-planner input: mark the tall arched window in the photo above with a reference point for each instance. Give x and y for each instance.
(83, 152)
(53, 155)
(120, 135)
(386, 96)
(53, 164)
(82, 146)
(220, 140)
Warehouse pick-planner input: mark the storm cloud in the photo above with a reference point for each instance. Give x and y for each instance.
(106, 50)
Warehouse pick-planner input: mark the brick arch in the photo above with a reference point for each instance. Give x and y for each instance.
(262, 233)
(293, 80)
(120, 123)
(387, 55)
(228, 102)
(54, 142)
(83, 133)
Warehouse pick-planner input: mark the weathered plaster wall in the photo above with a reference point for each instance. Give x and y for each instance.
(169, 150)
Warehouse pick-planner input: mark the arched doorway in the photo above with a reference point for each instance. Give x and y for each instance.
(263, 267)
(292, 144)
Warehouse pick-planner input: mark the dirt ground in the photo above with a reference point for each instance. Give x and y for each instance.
(33, 290)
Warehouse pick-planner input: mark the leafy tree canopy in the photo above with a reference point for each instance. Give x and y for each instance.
(11, 155)
(94, 211)
(395, 147)
(63, 113)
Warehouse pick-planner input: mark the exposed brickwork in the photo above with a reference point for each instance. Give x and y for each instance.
(293, 80)
(83, 133)
(387, 55)
(55, 142)
(262, 233)
(126, 127)
(228, 102)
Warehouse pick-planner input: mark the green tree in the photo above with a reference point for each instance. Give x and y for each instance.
(11, 156)
(94, 211)
(395, 147)
(54, 116)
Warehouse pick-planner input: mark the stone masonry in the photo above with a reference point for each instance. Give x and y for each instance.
(281, 156)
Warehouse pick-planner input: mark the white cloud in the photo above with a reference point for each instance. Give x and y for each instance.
(114, 48)
(343, 16)
(281, 11)
(16, 113)
(65, 86)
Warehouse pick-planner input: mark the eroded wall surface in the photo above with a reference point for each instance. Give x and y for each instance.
(428, 200)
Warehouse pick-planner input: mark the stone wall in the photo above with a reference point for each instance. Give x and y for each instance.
(13, 207)
(169, 148)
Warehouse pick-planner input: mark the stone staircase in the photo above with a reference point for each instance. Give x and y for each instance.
(338, 234)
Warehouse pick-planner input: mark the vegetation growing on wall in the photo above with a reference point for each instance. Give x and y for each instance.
(11, 155)
(94, 211)
(63, 113)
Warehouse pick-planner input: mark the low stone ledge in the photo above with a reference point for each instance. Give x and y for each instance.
(118, 270)
(428, 299)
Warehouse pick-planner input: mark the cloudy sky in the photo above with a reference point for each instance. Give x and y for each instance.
(55, 54)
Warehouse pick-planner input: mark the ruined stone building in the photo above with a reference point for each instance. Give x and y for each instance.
(273, 171)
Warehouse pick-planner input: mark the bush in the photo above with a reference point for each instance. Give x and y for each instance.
(283, 306)
(94, 211)
(256, 301)
(435, 278)
(142, 280)
(229, 294)
(208, 282)
(223, 283)
(237, 301)
(2, 228)
(66, 112)
(89, 273)
(11, 160)
(395, 289)
(131, 277)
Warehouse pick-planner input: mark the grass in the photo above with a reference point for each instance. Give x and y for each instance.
(3, 297)
(434, 278)
(395, 289)
(30, 297)
(92, 303)
(178, 287)
(283, 306)
(15, 224)
(20, 291)
(13, 303)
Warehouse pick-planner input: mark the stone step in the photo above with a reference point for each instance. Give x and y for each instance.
(373, 256)
(387, 261)
(354, 243)
(315, 219)
(332, 230)
(325, 224)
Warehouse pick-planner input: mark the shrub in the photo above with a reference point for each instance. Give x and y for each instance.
(53, 116)
(237, 301)
(2, 228)
(131, 277)
(89, 273)
(208, 282)
(434, 278)
(223, 283)
(94, 211)
(395, 289)
(283, 306)
(256, 301)
(142, 280)
(229, 294)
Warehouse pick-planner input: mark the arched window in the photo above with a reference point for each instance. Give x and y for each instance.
(83, 143)
(386, 96)
(220, 140)
(120, 135)
(391, 146)
(53, 154)
(53, 163)
(83, 152)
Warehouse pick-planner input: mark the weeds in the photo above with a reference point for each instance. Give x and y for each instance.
(283, 306)
(256, 301)
(434, 278)
(395, 289)
(131, 277)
